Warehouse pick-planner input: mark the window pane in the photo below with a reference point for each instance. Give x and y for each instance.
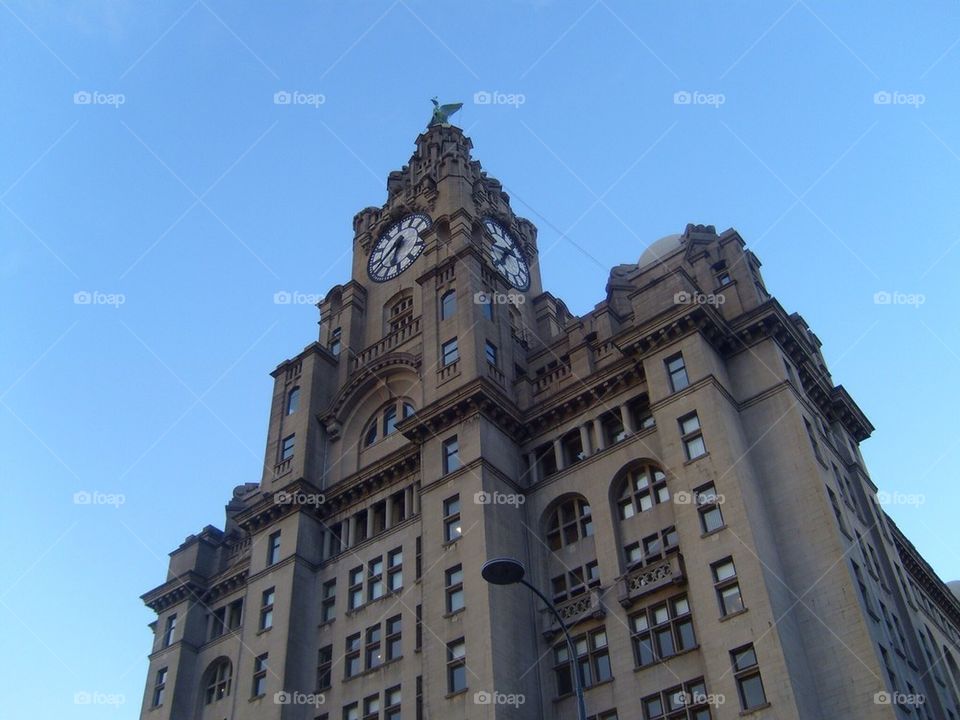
(724, 570)
(712, 520)
(751, 689)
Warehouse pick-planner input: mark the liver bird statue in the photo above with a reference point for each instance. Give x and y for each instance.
(442, 113)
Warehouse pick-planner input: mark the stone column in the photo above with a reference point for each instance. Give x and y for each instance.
(585, 440)
(352, 532)
(408, 502)
(415, 491)
(371, 516)
(598, 434)
(532, 460)
(627, 420)
(558, 453)
(388, 513)
(344, 540)
(327, 551)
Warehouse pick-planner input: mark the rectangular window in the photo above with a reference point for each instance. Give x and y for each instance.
(688, 701)
(371, 707)
(328, 603)
(351, 712)
(373, 655)
(418, 560)
(159, 687)
(449, 353)
(691, 436)
(375, 579)
(677, 372)
(456, 666)
(286, 447)
(217, 623)
(395, 570)
(259, 675)
(394, 637)
(747, 673)
(490, 351)
(351, 656)
(324, 667)
(355, 590)
(708, 506)
(662, 631)
(454, 588)
(335, 341)
(170, 630)
(418, 639)
(391, 702)
(593, 661)
(451, 455)
(575, 582)
(235, 614)
(419, 697)
(273, 548)
(451, 518)
(727, 586)
(811, 434)
(266, 609)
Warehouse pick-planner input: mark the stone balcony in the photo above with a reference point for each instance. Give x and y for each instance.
(575, 610)
(390, 342)
(650, 577)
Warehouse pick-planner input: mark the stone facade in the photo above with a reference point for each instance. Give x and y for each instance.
(676, 468)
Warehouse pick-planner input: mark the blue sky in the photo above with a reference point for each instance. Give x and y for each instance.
(146, 164)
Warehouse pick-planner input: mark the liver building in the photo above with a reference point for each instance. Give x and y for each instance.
(675, 470)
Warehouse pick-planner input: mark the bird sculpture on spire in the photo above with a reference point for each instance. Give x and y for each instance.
(442, 113)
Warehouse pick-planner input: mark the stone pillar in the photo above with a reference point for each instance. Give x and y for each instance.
(532, 474)
(352, 532)
(598, 434)
(408, 502)
(627, 420)
(344, 540)
(327, 551)
(585, 440)
(371, 516)
(415, 491)
(558, 453)
(388, 513)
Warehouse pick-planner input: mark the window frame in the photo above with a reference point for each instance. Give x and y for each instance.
(722, 585)
(689, 437)
(456, 666)
(452, 526)
(449, 352)
(677, 376)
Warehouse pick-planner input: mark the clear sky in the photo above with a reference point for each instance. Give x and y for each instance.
(145, 162)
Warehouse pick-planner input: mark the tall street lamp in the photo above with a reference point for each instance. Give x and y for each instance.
(507, 571)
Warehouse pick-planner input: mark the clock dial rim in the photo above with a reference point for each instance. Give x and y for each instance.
(385, 273)
(523, 267)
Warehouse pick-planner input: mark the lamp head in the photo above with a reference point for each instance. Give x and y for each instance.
(503, 571)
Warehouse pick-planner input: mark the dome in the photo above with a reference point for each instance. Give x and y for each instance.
(660, 249)
(954, 587)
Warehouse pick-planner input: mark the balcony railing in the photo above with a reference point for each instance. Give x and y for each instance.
(575, 610)
(651, 577)
(397, 337)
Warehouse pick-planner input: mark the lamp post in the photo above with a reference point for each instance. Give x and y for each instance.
(507, 571)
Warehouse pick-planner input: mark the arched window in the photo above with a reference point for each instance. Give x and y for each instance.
(400, 313)
(569, 522)
(390, 420)
(448, 304)
(371, 437)
(219, 676)
(293, 400)
(384, 422)
(643, 487)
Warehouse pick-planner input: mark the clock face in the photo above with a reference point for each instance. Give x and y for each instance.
(507, 256)
(397, 247)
